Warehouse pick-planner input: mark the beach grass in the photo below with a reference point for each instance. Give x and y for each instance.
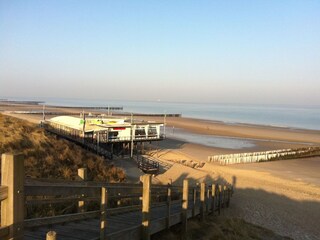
(219, 227)
(48, 156)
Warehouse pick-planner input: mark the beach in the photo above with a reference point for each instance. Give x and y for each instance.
(283, 196)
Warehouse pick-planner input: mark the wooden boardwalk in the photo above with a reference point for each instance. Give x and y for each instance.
(122, 210)
(124, 226)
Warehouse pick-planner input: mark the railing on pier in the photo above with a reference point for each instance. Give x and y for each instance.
(116, 198)
(77, 135)
(265, 156)
(147, 165)
(74, 136)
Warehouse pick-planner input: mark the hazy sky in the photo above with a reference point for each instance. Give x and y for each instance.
(195, 51)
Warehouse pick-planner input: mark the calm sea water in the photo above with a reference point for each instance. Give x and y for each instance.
(305, 117)
(210, 140)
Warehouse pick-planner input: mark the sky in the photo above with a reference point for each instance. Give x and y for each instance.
(258, 51)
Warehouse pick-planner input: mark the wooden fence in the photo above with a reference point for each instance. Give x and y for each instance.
(265, 156)
(99, 200)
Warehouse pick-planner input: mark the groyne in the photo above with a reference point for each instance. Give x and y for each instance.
(272, 155)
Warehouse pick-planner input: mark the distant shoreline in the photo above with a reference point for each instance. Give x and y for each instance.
(193, 125)
(282, 116)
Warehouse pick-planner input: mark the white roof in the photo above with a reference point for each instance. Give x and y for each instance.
(72, 122)
(91, 123)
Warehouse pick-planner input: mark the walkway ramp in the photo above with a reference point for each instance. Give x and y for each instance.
(105, 210)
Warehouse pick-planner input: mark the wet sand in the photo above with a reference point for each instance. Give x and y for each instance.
(247, 131)
(302, 170)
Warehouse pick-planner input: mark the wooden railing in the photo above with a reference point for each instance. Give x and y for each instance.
(12, 196)
(147, 165)
(96, 199)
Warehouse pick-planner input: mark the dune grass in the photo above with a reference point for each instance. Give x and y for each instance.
(47, 156)
(223, 228)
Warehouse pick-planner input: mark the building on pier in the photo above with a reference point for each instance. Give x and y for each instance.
(107, 130)
(109, 136)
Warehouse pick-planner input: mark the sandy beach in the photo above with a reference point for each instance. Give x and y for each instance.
(283, 196)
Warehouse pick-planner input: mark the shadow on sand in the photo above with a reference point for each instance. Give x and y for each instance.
(285, 216)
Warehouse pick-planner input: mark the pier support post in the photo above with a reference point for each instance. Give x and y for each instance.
(184, 214)
(202, 200)
(82, 173)
(12, 208)
(146, 195)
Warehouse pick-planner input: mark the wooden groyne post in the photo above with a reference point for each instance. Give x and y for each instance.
(252, 157)
(12, 207)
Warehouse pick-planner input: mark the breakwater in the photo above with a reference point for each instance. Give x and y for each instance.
(253, 157)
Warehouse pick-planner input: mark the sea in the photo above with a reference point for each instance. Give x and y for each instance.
(288, 116)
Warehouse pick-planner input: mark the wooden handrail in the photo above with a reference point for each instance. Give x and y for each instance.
(12, 207)
(202, 199)
(3, 193)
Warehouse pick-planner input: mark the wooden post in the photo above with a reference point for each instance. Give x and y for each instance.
(224, 196)
(82, 173)
(184, 214)
(213, 189)
(207, 200)
(146, 195)
(202, 200)
(52, 235)
(220, 199)
(103, 216)
(229, 195)
(168, 205)
(12, 208)
(194, 201)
